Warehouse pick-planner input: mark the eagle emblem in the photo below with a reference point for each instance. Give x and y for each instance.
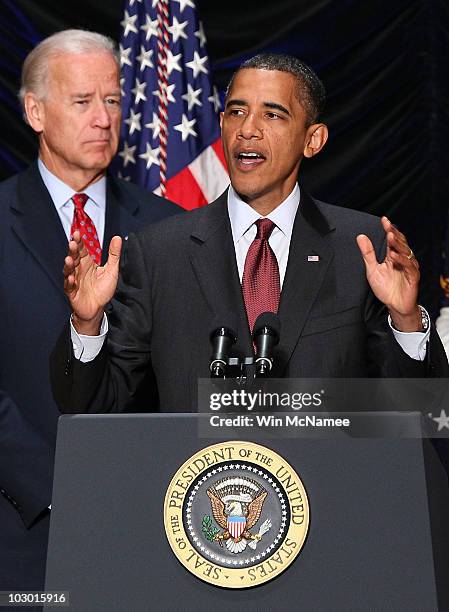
(236, 507)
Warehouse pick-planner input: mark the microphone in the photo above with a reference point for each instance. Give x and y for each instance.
(265, 337)
(222, 338)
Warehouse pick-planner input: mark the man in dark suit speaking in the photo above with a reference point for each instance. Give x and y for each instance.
(263, 245)
(71, 99)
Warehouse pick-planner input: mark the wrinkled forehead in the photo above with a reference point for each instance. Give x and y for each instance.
(66, 70)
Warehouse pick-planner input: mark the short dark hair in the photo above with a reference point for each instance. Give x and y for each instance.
(310, 92)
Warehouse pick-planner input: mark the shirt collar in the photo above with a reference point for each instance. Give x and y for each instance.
(61, 193)
(242, 216)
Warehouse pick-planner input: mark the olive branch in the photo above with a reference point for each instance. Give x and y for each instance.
(208, 529)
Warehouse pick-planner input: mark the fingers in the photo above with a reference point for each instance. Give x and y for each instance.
(76, 248)
(398, 249)
(69, 274)
(403, 261)
(367, 250)
(76, 252)
(395, 239)
(115, 248)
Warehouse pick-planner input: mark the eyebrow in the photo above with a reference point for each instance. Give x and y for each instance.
(276, 106)
(85, 95)
(271, 105)
(236, 102)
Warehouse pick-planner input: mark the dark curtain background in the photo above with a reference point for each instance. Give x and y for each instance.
(385, 67)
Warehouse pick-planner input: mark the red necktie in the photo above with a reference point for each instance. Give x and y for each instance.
(83, 223)
(260, 283)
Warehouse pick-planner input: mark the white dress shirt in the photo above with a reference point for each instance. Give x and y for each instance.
(62, 194)
(242, 218)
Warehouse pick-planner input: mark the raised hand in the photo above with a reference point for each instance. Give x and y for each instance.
(90, 287)
(395, 280)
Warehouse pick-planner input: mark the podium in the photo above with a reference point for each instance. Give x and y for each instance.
(377, 539)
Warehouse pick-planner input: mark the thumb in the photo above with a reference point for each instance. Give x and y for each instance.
(115, 248)
(367, 250)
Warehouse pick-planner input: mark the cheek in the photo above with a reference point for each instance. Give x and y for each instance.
(60, 133)
(226, 142)
(292, 150)
(115, 130)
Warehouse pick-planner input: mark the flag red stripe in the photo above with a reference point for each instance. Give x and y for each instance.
(184, 190)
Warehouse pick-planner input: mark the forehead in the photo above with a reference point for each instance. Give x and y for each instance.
(258, 86)
(73, 70)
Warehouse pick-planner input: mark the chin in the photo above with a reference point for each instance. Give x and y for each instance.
(246, 192)
(100, 162)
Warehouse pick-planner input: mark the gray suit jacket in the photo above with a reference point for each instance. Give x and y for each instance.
(178, 275)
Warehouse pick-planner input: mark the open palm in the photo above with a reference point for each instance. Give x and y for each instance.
(90, 287)
(395, 280)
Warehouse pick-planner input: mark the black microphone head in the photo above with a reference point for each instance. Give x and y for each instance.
(224, 321)
(270, 322)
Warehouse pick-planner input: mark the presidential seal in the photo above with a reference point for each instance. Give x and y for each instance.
(236, 514)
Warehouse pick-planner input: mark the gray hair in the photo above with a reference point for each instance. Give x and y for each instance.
(310, 91)
(35, 66)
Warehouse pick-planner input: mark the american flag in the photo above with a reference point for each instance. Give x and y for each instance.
(170, 138)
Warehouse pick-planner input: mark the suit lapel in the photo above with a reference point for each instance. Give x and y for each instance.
(214, 263)
(215, 267)
(37, 225)
(303, 277)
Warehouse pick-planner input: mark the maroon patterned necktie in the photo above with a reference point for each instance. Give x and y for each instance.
(83, 223)
(260, 283)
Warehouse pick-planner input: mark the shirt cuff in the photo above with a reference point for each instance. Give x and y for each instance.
(86, 348)
(414, 344)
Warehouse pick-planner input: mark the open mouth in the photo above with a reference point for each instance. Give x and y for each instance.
(250, 158)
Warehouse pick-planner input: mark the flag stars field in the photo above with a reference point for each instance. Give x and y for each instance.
(145, 58)
(170, 124)
(186, 128)
(129, 24)
(177, 29)
(197, 64)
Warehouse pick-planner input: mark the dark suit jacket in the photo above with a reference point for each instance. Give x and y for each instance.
(177, 277)
(33, 310)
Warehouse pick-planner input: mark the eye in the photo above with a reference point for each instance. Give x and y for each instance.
(235, 112)
(271, 115)
(112, 101)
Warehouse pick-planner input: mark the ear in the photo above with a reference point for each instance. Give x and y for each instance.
(221, 120)
(34, 112)
(316, 138)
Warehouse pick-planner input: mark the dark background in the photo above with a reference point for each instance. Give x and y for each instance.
(385, 67)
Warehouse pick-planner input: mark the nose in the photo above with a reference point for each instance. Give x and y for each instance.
(101, 116)
(250, 128)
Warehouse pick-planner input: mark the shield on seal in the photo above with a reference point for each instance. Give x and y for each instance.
(236, 525)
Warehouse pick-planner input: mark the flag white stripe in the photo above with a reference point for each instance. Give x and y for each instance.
(209, 173)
